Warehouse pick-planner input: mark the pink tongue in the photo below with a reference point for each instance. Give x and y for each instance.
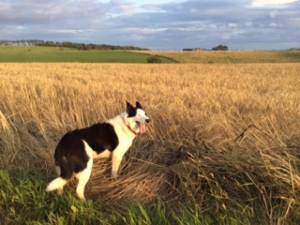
(142, 128)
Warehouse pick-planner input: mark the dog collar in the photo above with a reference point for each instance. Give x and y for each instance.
(129, 128)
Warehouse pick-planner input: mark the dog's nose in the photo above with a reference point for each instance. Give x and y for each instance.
(148, 120)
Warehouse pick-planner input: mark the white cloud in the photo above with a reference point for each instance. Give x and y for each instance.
(271, 3)
(20, 27)
(146, 30)
(67, 31)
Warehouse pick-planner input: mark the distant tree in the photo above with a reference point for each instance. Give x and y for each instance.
(187, 49)
(220, 48)
(194, 49)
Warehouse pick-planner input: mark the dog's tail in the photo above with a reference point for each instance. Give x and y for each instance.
(65, 174)
(56, 184)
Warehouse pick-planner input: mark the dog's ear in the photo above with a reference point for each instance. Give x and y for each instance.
(130, 110)
(138, 105)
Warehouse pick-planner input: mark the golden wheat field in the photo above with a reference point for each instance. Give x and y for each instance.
(229, 57)
(221, 135)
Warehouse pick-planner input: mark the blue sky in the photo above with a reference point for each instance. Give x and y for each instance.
(157, 24)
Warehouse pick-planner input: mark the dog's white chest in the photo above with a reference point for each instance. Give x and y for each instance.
(123, 147)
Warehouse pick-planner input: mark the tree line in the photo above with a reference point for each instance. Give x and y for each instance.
(68, 44)
(217, 48)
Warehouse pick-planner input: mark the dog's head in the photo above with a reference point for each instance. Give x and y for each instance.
(136, 117)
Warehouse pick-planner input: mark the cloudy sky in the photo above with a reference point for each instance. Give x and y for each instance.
(158, 24)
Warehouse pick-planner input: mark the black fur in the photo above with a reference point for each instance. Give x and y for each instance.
(131, 110)
(139, 105)
(70, 154)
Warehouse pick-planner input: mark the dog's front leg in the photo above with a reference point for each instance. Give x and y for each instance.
(116, 162)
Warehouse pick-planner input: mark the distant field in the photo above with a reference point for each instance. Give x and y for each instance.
(233, 56)
(53, 54)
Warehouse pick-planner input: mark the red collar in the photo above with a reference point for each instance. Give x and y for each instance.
(129, 128)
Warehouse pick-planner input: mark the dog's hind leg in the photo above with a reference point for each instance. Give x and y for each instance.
(83, 177)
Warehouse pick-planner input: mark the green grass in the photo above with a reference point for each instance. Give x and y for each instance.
(24, 201)
(52, 54)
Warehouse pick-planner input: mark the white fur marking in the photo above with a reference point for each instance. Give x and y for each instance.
(56, 184)
(89, 151)
(102, 155)
(83, 177)
(58, 170)
(141, 115)
(116, 161)
(125, 137)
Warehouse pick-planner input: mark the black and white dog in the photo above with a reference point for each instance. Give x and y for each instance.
(76, 151)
